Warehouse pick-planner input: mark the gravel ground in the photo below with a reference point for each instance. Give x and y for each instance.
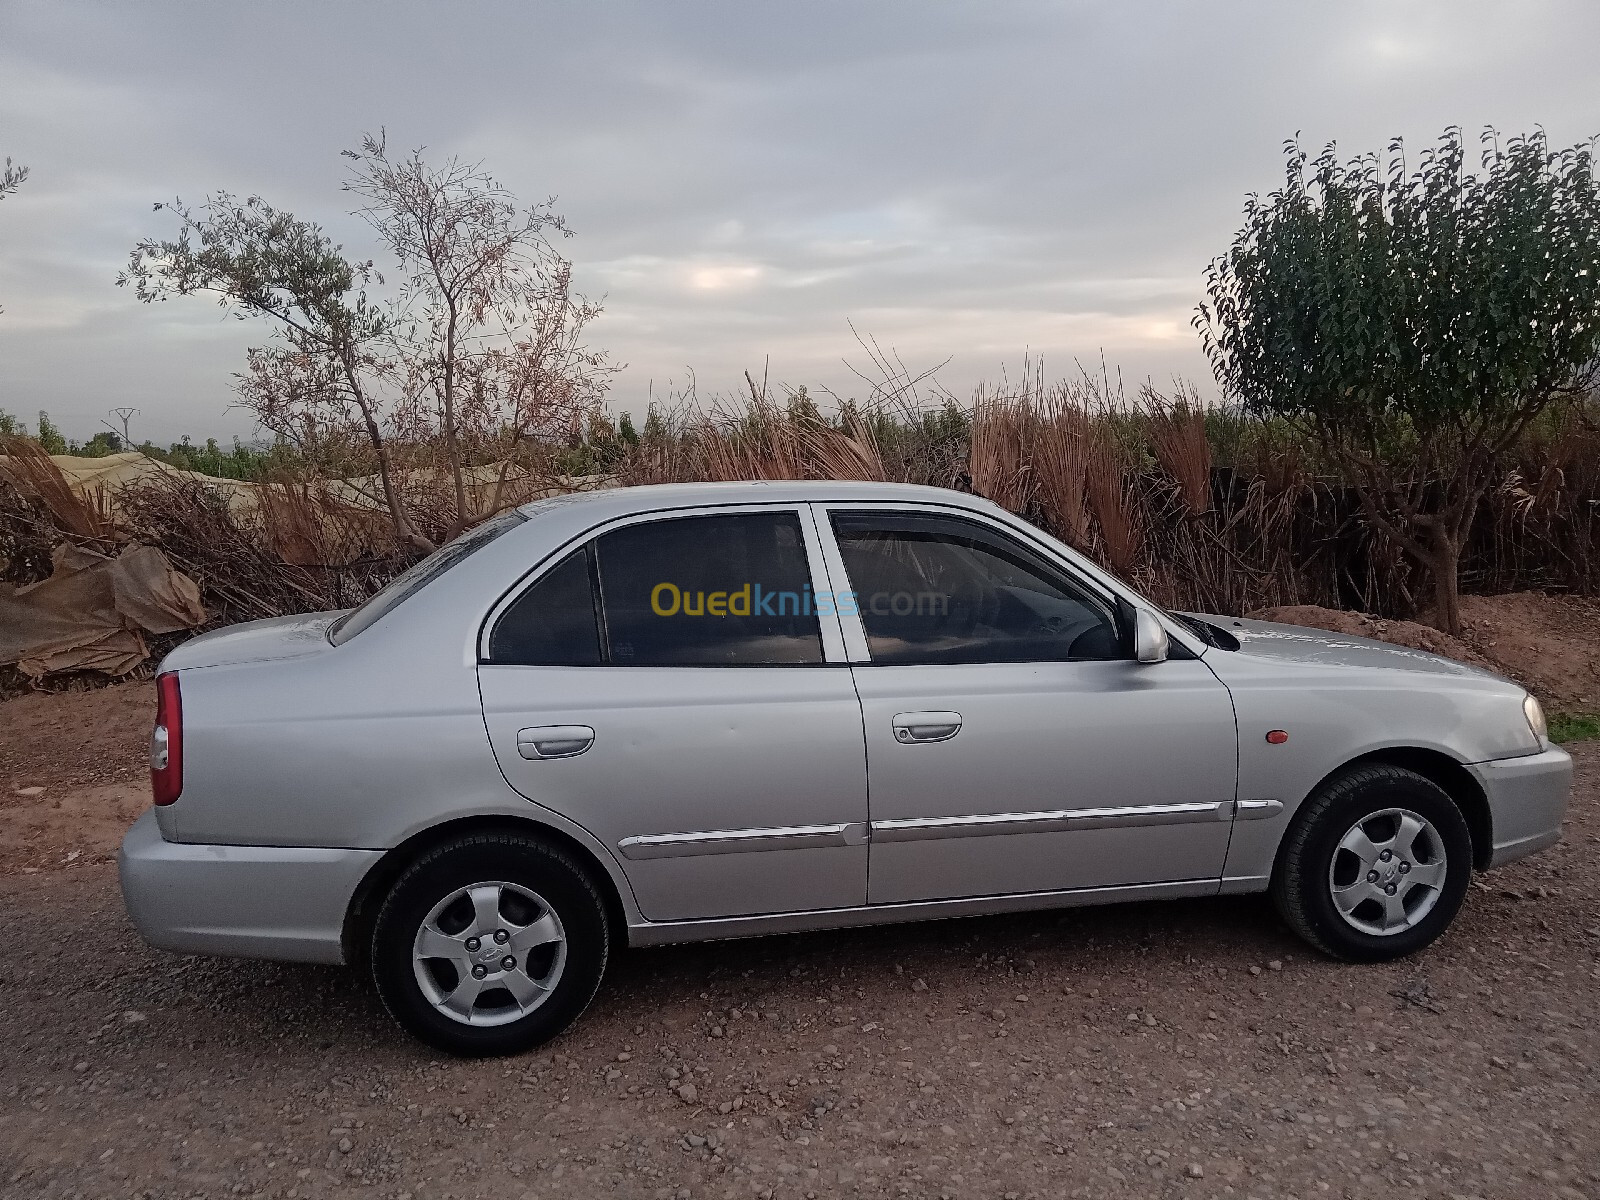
(1180, 1049)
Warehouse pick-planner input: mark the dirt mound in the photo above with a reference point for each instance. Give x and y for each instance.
(1549, 644)
(1355, 624)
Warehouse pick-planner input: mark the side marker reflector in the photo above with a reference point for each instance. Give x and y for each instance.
(1277, 737)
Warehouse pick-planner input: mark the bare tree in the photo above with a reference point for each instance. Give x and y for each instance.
(487, 335)
(260, 262)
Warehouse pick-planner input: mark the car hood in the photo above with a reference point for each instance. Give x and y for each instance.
(1297, 643)
(255, 641)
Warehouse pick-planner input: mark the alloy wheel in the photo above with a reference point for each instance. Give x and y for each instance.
(489, 953)
(1388, 871)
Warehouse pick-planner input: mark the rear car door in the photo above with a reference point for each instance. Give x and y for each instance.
(669, 685)
(1013, 745)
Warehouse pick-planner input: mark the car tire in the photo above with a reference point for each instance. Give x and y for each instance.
(490, 944)
(1375, 865)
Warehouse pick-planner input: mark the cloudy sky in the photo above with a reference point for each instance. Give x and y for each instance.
(971, 181)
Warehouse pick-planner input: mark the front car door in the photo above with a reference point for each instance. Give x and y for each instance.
(1013, 745)
(668, 685)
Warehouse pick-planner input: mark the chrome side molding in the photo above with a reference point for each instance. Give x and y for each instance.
(1256, 810)
(743, 841)
(918, 829)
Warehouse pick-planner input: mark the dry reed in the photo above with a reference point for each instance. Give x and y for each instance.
(1204, 510)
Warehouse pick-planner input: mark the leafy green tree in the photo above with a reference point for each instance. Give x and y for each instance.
(49, 436)
(656, 427)
(101, 445)
(260, 262)
(1414, 322)
(628, 435)
(11, 178)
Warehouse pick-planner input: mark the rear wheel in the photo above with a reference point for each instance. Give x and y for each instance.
(490, 944)
(1375, 866)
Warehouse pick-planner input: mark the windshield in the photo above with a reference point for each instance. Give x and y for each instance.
(420, 574)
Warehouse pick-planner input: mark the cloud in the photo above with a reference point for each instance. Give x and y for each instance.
(968, 182)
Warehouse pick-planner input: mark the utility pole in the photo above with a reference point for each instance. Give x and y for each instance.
(123, 414)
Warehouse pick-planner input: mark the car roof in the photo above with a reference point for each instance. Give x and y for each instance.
(651, 497)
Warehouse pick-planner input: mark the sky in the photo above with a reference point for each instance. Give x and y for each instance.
(972, 184)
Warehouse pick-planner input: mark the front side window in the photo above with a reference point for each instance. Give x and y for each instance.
(727, 590)
(933, 589)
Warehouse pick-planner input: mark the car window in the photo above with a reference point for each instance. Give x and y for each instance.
(732, 590)
(419, 575)
(553, 623)
(934, 589)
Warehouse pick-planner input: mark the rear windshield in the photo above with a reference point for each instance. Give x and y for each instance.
(402, 587)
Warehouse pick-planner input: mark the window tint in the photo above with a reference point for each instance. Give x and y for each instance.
(944, 590)
(553, 622)
(404, 586)
(708, 591)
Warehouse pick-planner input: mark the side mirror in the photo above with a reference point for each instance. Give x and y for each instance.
(1149, 637)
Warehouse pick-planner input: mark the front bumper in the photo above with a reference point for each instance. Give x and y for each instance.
(1527, 801)
(285, 902)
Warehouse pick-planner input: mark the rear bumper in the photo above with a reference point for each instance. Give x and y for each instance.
(285, 902)
(1527, 801)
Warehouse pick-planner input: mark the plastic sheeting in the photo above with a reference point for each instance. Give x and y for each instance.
(98, 480)
(93, 611)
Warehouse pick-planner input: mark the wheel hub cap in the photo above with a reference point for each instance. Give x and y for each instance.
(1387, 872)
(489, 953)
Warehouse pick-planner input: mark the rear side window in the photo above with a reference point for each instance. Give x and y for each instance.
(731, 590)
(553, 623)
(710, 591)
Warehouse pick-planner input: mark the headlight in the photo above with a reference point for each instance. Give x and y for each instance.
(1535, 715)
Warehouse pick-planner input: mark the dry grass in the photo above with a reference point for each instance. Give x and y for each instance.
(1000, 454)
(1201, 509)
(1112, 493)
(1061, 466)
(1177, 430)
(28, 469)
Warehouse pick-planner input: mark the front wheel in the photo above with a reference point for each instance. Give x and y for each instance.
(490, 944)
(1375, 866)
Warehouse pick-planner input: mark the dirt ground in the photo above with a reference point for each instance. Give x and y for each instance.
(1185, 1049)
(73, 774)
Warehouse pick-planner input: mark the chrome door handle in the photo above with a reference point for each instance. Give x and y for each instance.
(926, 726)
(554, 741)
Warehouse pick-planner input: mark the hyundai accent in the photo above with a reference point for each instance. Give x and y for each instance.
(665, 714)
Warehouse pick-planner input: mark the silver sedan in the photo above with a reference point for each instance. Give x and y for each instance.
(710, 711)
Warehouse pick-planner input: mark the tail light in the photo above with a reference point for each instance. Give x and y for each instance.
(166, 741)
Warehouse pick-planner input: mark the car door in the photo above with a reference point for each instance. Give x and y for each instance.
(1013, 745)
(666, 685)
